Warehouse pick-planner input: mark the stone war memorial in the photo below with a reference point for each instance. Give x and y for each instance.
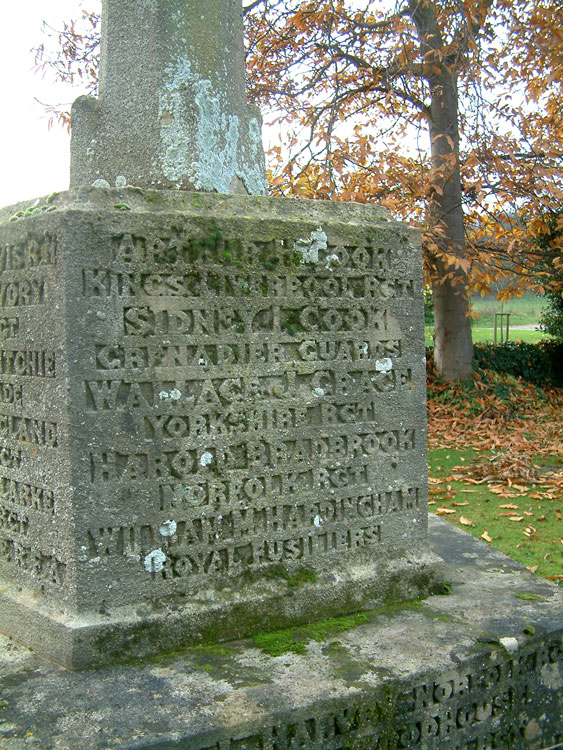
(212, 437)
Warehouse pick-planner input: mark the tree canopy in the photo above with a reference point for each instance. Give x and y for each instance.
(448, 112)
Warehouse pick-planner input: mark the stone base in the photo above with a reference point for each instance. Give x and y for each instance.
(132, 632)
(478, 668)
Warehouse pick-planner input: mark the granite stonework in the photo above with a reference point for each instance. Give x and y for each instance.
(204, 400)
(478, 669)
(172, 110)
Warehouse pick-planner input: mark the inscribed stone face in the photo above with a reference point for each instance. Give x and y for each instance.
(197, 411)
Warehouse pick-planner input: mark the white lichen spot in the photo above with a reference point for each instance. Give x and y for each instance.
(206, 458)
(163, 395)
(384, 365)
(100, 183)
(309, 249)
(101, 315)
(365, 349)
(318, 392)
(120, 181)
(175, 394)
(252, 171)
(217, 142)
(317, 520)
(510, 644)
(202, 361)
(154, 561)
(330, 259)
(168, 528)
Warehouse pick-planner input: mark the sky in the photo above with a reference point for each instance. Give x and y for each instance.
(33, 160)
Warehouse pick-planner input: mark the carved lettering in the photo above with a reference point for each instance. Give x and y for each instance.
(28, 496)
(38, 364)
(29, 430)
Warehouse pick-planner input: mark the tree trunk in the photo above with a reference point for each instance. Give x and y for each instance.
(453, 348)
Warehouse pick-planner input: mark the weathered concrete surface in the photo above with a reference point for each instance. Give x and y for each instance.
(172, 110)
(432, 675)
(206, 400)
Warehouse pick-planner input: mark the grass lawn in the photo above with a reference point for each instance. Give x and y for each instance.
(486, 335)
(496, 465)
(524, 311)
(525, 522)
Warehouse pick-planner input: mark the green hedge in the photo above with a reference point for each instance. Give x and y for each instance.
(540, 364)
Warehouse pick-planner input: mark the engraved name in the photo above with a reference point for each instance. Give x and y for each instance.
(23, 292)
(38, 364)
(29, 254)
(249, 454)
(26, 495)
(28, 430)
(45, 568)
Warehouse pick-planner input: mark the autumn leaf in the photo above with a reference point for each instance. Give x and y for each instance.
(508, 505)
(486, 537)
(443, 511)
(516, 518)
(465, 521)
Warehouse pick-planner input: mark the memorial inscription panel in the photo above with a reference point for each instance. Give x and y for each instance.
(192, 405)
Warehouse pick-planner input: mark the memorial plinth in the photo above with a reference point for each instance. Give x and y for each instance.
(478, 669)
(212, 419)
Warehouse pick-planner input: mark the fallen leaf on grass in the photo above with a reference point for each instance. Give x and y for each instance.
(508, 513)
(558, 577)
(468, 490)
(508, 505)
(456, 503)
(465, 521)
(515, 518)
(486, 537)
(431, 502)
(532, 568)
(443, 511)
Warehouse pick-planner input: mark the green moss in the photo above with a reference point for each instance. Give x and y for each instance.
(530, 597)
(33, 211)
(301, 577)
(295, 639)
(529, 630)
(153, 196)
(122, 206)
(293, 323)
(217, 649)
(51, 198)
(446, 589)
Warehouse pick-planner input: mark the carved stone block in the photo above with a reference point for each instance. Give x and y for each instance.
(212, 419)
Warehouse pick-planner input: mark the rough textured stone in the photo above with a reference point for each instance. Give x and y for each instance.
(213, 415)
(172, 110)
(418, 676)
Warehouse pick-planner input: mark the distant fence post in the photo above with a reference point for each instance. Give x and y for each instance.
(499, 325)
